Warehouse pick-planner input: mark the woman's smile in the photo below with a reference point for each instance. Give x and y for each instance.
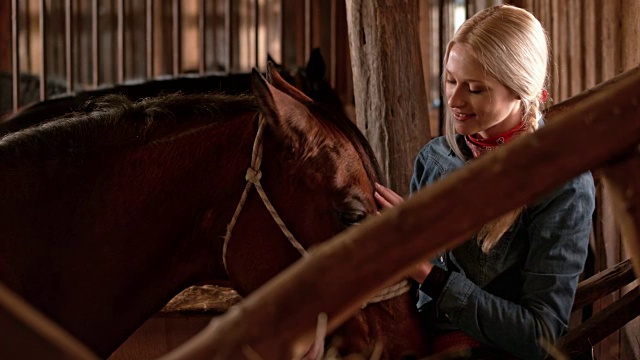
(462, 116)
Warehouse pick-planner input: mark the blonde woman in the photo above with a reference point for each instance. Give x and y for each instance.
(511, 288)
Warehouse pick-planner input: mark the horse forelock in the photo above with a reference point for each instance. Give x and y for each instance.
(114, 121)
(346, 128)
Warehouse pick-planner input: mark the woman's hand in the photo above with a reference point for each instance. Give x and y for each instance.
(386, 198)
(420, 271)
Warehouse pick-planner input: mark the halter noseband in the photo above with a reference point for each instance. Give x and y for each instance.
(253, 177)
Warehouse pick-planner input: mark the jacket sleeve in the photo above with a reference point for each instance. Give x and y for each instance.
(426, 170)
(558, 231)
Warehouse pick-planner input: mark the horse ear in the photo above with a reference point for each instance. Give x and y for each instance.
(279, 83)
(284, 113)
(270, 59)
(316, 66)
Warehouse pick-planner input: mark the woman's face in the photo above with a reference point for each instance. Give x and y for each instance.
(480, 104)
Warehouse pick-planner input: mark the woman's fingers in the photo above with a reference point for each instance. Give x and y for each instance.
(382, 202)
(386, 197)
(421, 271)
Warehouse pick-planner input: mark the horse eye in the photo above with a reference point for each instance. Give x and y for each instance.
(352, 217)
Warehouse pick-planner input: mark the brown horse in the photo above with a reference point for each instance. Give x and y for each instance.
(106, 215)
(311, 81)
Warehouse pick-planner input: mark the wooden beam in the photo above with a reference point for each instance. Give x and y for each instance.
(613, 317)
(623, 178)
(603, 283)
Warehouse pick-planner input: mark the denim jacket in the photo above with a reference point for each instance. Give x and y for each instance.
(523, 289)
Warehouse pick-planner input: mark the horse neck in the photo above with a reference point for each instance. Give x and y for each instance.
(395, 324)
(122, 232)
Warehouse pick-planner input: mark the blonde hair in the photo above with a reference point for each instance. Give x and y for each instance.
(513, 48)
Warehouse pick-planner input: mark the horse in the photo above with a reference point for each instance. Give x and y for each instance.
(117, 210)
(82, 101)
(311, 81)
(28, 87)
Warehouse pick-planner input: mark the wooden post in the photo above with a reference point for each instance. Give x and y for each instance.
(389, 90)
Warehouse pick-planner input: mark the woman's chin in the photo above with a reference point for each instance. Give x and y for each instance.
(464, 130)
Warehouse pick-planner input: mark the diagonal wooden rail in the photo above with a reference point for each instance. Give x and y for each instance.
(622, 176)
(25, 333)
(589, 132)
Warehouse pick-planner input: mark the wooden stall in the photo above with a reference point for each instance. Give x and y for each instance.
(593, 41)
(53, 48)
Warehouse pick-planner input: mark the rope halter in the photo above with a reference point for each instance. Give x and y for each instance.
(253, 176)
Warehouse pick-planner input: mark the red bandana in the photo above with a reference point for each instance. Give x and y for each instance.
(479, 146)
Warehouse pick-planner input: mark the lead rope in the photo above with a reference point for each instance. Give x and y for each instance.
(253, 177)
(390, 292)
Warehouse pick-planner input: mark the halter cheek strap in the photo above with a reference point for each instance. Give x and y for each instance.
(253, 177)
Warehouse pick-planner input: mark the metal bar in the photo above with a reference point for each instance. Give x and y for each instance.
(68, 31)
(256, 32)
(120, 46)
(202, 28)
(177, 45)
(307, 30)
(227, 27)
(283, 44)
(15, 49)
(333, 51)
(43, 51)
(149, 38)
(441, 51)
(95, 44)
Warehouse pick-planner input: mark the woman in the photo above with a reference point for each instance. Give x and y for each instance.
(510, 289)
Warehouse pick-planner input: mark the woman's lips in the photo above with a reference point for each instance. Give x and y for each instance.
(462, 116)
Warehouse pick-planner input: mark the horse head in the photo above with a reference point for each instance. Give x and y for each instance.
(133, 199)
(320, 172)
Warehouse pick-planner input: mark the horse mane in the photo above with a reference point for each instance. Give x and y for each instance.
(115, 121)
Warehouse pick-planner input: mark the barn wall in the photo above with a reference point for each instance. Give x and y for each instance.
(593, 41)
(124, 41)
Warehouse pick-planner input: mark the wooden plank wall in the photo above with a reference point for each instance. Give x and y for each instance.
(592, 41)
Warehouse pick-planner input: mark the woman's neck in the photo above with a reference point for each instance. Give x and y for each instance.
(479, 145)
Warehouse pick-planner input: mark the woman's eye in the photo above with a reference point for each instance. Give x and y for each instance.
(352, 217)
(474, 91)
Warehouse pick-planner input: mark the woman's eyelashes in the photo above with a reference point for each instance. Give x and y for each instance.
(475, 89)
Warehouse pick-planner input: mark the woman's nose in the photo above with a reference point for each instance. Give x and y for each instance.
(456, 98)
